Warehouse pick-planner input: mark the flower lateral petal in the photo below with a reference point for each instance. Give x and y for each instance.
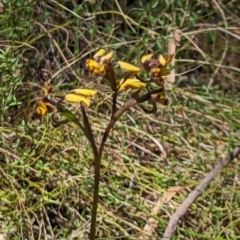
(144, 58)
(74, 98)
(162, 61)
(84, 92)
(131, 84)
(108, 57)
(128, 67)
(99, 54)
(169, 59)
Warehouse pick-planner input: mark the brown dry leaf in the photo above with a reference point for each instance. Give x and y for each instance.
(152, 223)
(175, 37)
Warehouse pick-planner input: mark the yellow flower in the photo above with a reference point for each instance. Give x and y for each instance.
(41, 108)
(130, 84)
(128, 67)
(46, 105)
(157, 67)
(96, 68)
(99, 64)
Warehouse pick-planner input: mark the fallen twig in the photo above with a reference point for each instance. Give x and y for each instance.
(172, 225)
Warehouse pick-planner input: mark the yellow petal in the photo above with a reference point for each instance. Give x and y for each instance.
(74, 98)
(42, 104)
(99, 53)
(107, 57)
(101, 70)
(85, 92)
(155, 71)
(130, 84)
(92, 64)
(46, 89)
(161, 60)
(128, 67)
(146, 57)
(95, 67)
(42, 108)
(164, 72)
(41, 111)
(169, 59)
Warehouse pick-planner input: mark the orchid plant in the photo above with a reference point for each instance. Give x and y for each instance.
(102, 65)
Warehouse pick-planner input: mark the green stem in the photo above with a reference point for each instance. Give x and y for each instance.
(98, 157)
(95, 197)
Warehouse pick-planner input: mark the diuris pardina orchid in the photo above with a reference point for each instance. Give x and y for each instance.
(101, 65)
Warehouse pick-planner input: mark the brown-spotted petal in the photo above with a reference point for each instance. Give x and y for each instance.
(169, 59)
(47, 88)
(160, 81)
(155, 71)
(160, 97)
(41, 108)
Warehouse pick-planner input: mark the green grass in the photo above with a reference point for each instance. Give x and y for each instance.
(47, 173)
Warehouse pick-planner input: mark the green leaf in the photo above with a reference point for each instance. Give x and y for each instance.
(68, 114)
